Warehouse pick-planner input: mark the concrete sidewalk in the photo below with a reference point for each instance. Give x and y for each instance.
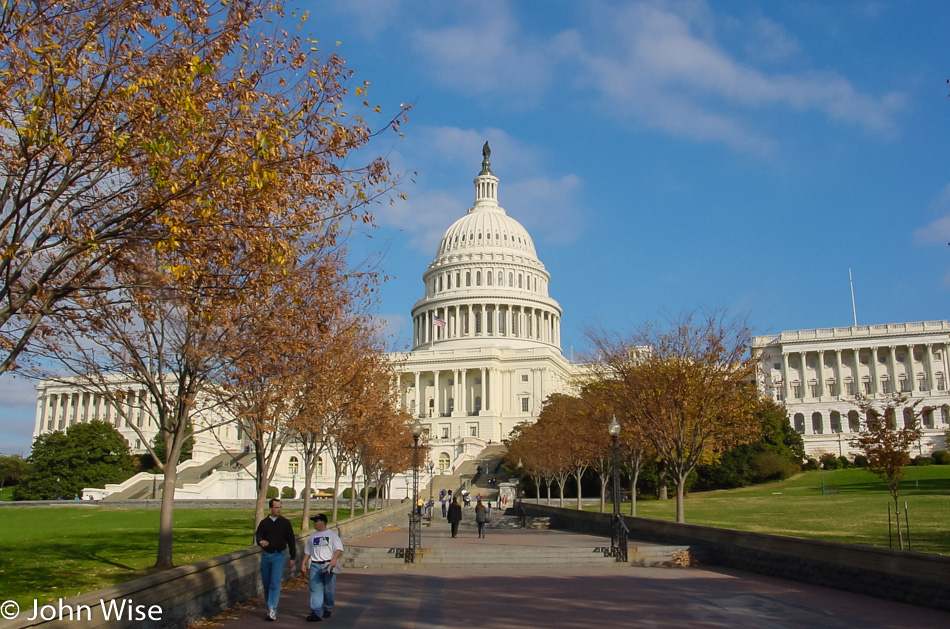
(611, 595)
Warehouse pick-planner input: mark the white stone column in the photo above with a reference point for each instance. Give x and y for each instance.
(820, 373)
(39, 424)
(839, 375)
(892, 361)
(874, 379)
(463, 398)
(419, 410)
(929, 367)
(484, 389)
(437, 412)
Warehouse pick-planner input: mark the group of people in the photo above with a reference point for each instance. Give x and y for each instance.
(454, 515)
(321, 559)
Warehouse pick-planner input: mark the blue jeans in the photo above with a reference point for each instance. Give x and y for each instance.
(322, 589)
(272, 573)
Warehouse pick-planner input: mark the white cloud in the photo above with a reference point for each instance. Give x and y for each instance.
(489, 53)
(938, 230)
(652, 64)
(666, 76)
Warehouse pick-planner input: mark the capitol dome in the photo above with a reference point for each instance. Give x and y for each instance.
(486, 281)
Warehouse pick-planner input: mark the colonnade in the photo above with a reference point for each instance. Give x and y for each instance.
(473, 391)
(918, 369)
(498, 320)
(59, 411)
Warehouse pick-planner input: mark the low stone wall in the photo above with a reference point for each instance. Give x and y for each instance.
(909, 577)
(180, 596)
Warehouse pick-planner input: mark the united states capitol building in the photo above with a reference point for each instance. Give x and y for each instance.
(486, 353)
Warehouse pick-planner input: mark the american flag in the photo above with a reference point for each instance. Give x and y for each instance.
(438, 321)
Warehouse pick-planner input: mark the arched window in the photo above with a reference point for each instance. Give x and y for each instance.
(444, 462)
(501, 278)
(520, 281)
(478, 278)
(488, 277)
(817, 425)
(835, 421)
(478, 323)
(294, 466)
(854, 421)
(799, 423)
(511, 280)
(909, 419)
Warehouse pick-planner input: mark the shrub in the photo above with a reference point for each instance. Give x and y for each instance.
(287, 493)
(845, 463)
(860, 460)
(923, 460)
(829, 462)
(941, 457)
(272, 492)
(771, 465)
(810, 465)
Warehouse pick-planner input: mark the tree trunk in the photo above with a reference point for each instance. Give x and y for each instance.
(353, 492)
(336, 492)
(560, 484)
(166, 520)
(633, 490)
(900, 534)
(680, 498)
(577, 477)
(308, 477)
(603, 493)
(661, 489)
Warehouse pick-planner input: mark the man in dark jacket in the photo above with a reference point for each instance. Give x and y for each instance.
(275, 535)
(455, 515)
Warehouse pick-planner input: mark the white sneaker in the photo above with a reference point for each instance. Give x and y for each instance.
(271, 614)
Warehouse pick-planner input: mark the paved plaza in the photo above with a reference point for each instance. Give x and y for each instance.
(591, 596)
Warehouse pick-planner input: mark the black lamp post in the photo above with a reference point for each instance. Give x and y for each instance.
(415, 518)
(618, 529)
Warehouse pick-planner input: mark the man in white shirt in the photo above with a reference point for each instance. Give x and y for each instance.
(322, 553)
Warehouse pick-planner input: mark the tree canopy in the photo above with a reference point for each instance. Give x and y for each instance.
(62, 464)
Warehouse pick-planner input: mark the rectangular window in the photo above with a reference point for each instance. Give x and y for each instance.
(473, 431)
(941, 384)
(885, 386)
(524, 378)
(852, 388)
(867, 387)
(797, 391)
(922, 384)
(832, 389)
(524, 405)
(905, 386)
(445, 432)
(815, 390)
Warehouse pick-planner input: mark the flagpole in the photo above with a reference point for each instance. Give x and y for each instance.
(854, 309)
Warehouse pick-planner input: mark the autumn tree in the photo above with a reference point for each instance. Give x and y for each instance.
(685, 387)
(237, 139)
(886, 445)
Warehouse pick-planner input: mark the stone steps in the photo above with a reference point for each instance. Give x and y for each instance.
(361, 557)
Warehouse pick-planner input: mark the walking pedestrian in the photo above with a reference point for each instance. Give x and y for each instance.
(481, 518)
(275, 534)
(455, 516)
(322, 555)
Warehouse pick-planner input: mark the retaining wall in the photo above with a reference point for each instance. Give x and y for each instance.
(180, 596)
(910, 577)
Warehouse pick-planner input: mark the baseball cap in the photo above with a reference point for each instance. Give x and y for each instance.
(320, 517)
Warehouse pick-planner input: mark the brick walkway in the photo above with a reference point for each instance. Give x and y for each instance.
(590, 596)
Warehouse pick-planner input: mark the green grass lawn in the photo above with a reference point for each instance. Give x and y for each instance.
(51, 553)
(857, 514)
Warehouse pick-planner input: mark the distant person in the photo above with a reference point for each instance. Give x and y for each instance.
(322, 555)
(275, 534)
(455, 516)
(481, 517)
(445, 506)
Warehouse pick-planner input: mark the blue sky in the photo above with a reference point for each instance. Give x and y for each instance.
(664, 155)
